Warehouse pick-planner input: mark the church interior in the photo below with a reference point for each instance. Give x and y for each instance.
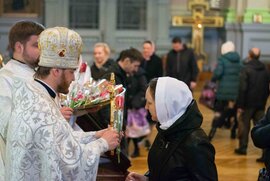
(203, 25)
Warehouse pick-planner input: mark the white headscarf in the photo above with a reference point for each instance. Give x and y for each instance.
(172, 98)
(227, 47)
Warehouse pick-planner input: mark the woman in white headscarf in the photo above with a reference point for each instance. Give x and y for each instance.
(181, 150)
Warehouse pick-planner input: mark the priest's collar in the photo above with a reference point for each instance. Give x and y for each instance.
(18, 60)
(47, 87)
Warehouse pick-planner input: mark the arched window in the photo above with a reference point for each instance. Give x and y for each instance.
(131, 14)
(84, 14)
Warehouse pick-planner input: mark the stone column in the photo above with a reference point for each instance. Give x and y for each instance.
(232, 25)
(163, 25)
(56, 13)
(108, 25)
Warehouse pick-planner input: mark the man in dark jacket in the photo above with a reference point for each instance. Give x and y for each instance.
(128, 63)
(181, 63)
(253, 94)
(260, 135)
(152, 64)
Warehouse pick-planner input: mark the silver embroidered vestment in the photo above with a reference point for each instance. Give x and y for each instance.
(40, 144)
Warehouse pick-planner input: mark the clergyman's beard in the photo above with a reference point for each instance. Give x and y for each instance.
(64, 85)
(29, 60)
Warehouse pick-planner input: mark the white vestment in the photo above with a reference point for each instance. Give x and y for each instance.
(13, 67)
(40, 144)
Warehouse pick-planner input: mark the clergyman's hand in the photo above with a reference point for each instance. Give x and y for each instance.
(112, 138)
(66, 112)
(100, 133)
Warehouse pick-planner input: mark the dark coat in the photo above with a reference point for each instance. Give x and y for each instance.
(182, 65)
(136, 87)
(153, 67)
(120, 75)
(98, 73)
(260, 135)
(227, 76)
(254, 85)
(183, 151)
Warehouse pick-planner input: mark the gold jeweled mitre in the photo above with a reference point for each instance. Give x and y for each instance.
(59, 47)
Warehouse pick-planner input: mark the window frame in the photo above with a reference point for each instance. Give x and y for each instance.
(120, 22)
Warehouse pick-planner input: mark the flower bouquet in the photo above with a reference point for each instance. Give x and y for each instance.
(90, 95)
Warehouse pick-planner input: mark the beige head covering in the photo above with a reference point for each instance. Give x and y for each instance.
(227, 47)
(60, 47)
(172, 98)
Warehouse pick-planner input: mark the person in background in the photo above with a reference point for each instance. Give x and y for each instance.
(151, 63)
(128, 63)
(40, 144)
(226, 74)
(23, 37)
(181, 63)
(137, 125)
(102, 61)
(181, 149)
(253, 94)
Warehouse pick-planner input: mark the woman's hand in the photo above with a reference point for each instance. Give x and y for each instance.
(136, 177)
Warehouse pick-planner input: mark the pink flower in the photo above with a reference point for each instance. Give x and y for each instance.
(83, 67)
(119, 102)
(104, 93)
